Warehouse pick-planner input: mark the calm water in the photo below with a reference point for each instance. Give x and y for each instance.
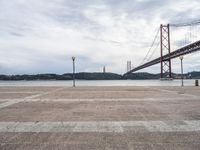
(99, 83)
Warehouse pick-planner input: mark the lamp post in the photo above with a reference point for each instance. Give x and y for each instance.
(73, 60)
(181, 58)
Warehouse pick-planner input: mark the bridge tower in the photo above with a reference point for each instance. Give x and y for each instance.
(165, 49)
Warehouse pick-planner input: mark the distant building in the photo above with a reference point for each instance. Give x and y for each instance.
(129, 66)
(104, 69)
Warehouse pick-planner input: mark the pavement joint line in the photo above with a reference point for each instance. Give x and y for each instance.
(9, 103)
(19, 92)
(165, 90)
(43, 93)
(103, 99)
(189, 95)
(71, 142)
(102, 126)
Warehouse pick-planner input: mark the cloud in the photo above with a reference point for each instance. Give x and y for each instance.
(39, 36)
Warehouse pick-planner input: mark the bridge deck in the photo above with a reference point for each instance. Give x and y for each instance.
(191, 48)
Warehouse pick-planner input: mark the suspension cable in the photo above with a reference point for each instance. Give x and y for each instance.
(197, 22)
(152, 54)
(155, 37)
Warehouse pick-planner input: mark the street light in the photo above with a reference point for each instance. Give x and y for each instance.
(73, 60)
(181, 58)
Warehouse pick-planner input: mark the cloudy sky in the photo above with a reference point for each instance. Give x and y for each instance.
(41, 36)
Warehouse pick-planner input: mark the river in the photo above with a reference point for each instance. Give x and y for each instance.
(99, 83)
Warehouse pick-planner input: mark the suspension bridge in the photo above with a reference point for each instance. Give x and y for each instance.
(184, 39)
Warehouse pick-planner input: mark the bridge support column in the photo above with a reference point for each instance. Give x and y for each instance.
(165, 49)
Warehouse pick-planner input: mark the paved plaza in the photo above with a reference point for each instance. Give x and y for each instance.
(99, 118)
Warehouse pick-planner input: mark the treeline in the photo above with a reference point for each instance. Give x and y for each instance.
(95, 76)
(194, 75)
(67, 76)
(35, 77)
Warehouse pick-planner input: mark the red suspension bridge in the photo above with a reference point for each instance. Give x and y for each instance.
(189, 43)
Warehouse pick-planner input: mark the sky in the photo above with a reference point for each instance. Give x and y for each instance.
(41, 36)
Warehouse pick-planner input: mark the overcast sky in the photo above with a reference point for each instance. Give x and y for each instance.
(41, 36)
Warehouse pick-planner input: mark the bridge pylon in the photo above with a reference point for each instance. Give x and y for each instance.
(165, 49)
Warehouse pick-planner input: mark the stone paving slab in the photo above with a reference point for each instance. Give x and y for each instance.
(111, 94)
(186, 90)
(102, 126)
(101, 141)
(26, 89)
(14, 95)
(32, 111)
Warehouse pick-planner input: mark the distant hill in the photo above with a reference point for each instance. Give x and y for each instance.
(67, 76)
(142, 76)
(96, 76)
(194, 75)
